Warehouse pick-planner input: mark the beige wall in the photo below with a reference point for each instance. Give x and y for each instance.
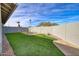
(69, 32)
(72, 33)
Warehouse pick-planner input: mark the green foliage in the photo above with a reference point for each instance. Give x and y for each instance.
(47, 24)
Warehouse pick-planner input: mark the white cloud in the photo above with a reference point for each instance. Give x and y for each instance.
(24, 12)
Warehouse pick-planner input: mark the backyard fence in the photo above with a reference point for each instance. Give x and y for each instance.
(68, 32)
(14, 29)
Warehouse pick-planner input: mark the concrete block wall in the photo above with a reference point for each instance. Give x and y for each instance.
(68, 32)
(14, 29)
(72, 33)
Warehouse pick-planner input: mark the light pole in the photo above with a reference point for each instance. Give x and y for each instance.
(29, 25)
(30, 22)
(18, 24)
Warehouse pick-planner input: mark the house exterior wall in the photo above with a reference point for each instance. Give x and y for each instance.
(68, 32)
(0, 32)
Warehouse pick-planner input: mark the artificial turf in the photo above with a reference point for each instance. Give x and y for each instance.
(33, 45)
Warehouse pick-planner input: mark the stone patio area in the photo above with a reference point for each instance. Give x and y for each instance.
(7, 49)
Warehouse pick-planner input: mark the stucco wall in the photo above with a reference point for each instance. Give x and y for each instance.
(69, 31)
(0, 33)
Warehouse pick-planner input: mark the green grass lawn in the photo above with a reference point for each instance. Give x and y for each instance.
(33, 45)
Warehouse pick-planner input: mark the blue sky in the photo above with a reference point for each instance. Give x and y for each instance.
(43, 12)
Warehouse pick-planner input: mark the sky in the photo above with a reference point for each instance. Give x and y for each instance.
(44, 12)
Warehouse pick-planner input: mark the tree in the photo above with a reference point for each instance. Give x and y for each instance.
(47, 24)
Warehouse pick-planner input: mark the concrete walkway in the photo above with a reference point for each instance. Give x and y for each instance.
(67, 48)
(6, 50)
